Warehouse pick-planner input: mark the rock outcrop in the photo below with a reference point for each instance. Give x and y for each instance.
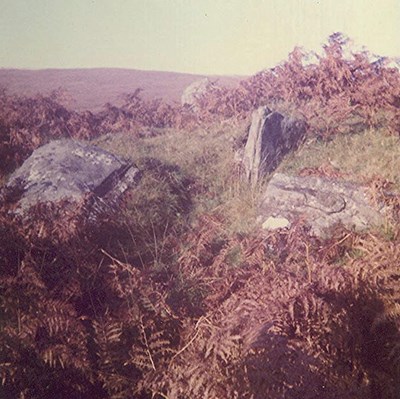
(322, 203)
(193, 93)
(270, 138)
(69, 170)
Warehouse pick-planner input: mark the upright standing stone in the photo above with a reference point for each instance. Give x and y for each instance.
(271, 137)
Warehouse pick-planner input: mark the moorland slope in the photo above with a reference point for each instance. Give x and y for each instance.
(90, 89)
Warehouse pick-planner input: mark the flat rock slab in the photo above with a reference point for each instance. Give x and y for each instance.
(68, 170)
(322, 203)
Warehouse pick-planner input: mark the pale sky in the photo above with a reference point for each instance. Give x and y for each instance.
(197, 36)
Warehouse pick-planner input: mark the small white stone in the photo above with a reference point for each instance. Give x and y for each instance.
(273, 223)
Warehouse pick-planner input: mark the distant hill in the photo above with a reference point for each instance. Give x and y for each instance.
(90, 89)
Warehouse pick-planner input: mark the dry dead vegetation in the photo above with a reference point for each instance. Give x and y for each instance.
(179, 294)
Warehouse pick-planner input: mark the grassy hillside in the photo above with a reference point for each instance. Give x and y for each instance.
(180, 292)
(177, 292)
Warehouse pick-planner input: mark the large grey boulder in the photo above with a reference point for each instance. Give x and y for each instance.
(271, 137)
(322, 203)
(72, 171)
(195, 91)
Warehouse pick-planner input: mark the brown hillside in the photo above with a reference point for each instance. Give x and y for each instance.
(90, 89)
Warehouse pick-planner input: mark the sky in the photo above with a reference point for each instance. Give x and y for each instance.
(223, 37)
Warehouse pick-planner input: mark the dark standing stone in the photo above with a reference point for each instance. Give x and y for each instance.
(271, 137)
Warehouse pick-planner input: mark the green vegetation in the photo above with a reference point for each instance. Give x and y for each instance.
(360, 157)
(201, 162)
